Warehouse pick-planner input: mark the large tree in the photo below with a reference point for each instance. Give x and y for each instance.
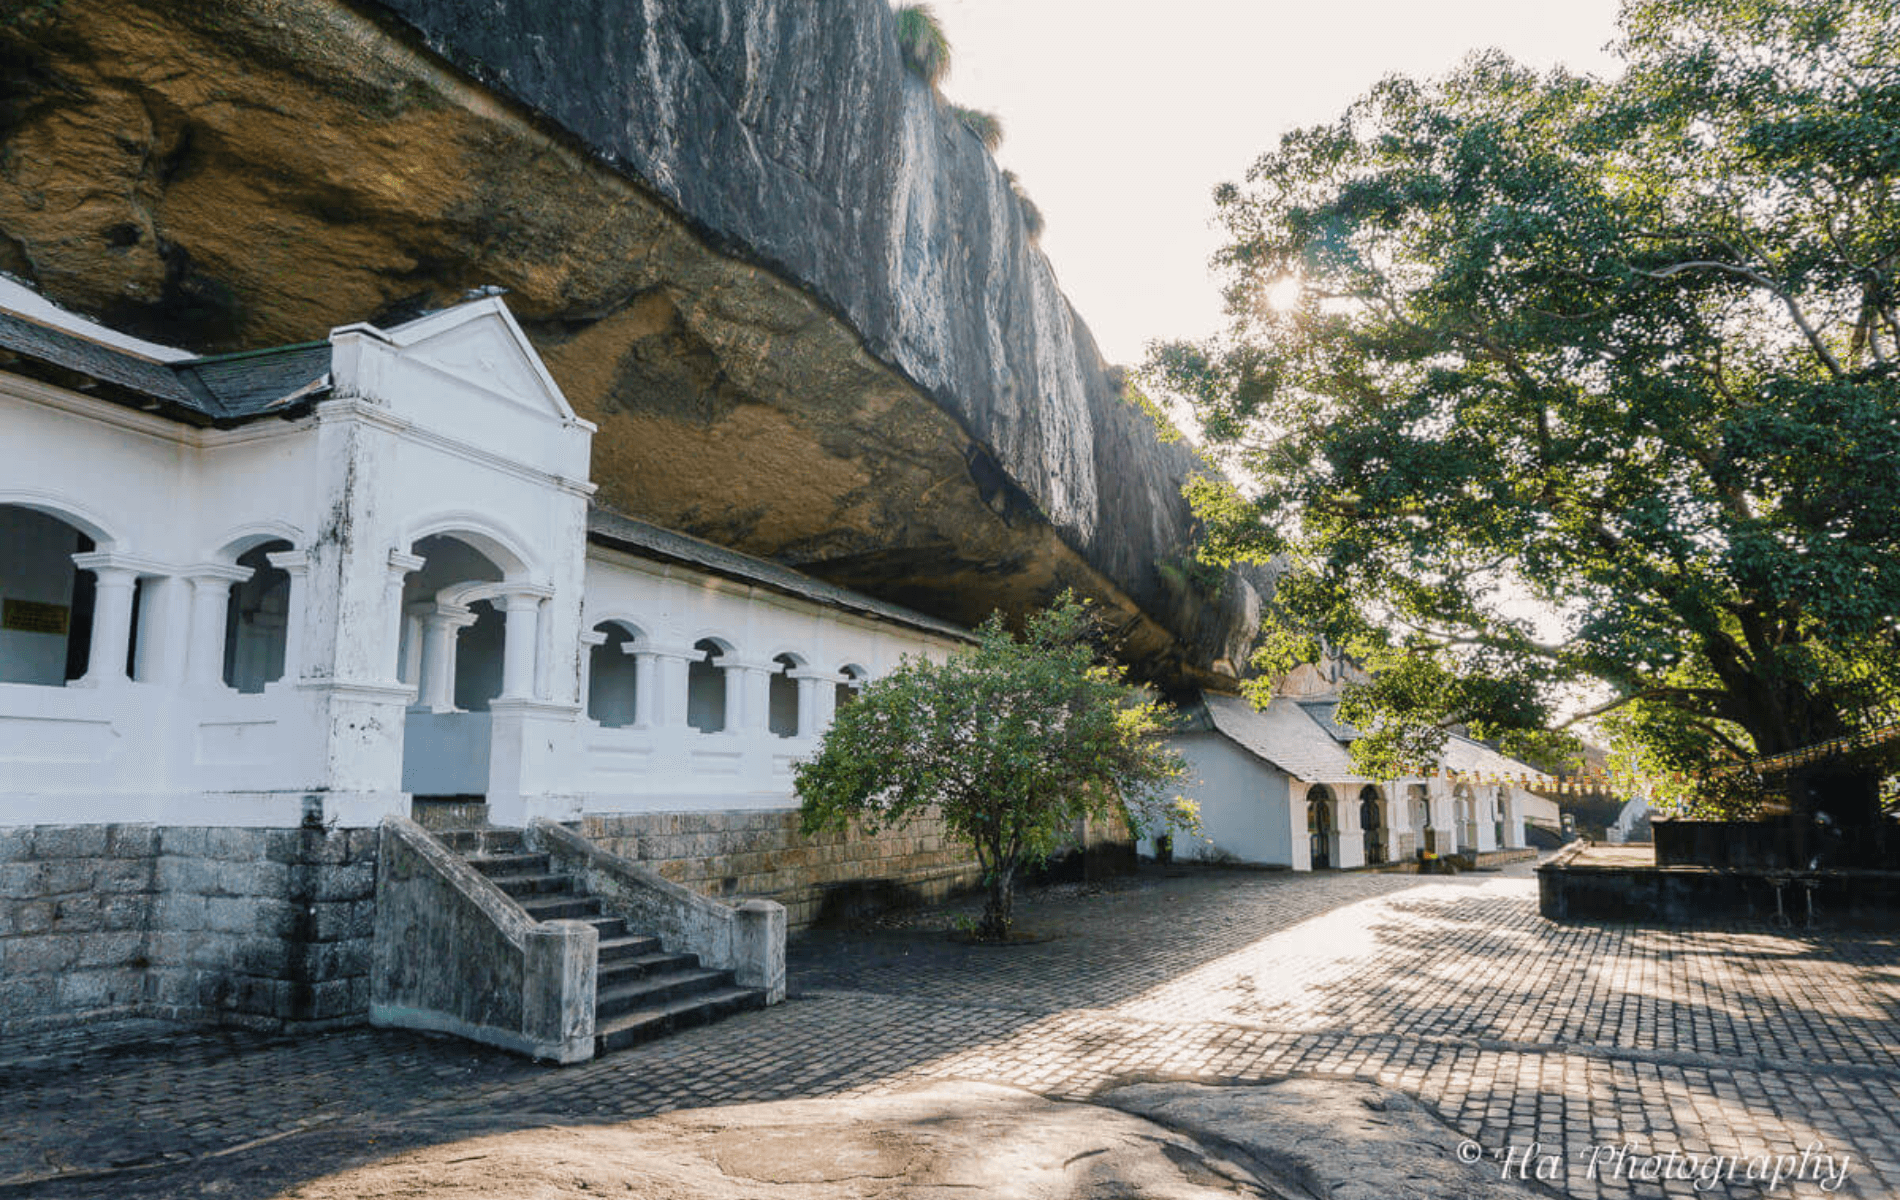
(1539, 381)
(1008, 743)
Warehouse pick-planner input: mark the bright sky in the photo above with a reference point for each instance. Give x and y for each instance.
(1121, 118)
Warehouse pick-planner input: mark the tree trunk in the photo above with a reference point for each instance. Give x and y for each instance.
(999, 905)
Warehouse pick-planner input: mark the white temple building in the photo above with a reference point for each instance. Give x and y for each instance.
(259, 610)
(313, 582)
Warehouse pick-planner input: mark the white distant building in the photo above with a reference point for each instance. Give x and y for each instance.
(1276, 787)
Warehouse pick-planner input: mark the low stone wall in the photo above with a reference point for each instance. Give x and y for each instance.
(1572, 887)
(262, 927)
(759, 853)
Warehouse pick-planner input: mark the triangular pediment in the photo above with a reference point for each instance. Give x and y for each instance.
(479, 344)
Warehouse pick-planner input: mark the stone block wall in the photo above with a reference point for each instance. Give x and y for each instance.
(263, 927)
(745, 854)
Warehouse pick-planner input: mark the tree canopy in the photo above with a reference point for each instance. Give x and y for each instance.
(1009, 743)
(1537, 381)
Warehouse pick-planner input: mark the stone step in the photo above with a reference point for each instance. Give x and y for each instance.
(508, 864)
(657, 991)
(643, 1025)
(620, 945)
(534, 885)
(468, 842)
(561, 908)
(612, 973)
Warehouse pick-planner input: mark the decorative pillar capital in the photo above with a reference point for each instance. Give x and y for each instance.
(294, 563)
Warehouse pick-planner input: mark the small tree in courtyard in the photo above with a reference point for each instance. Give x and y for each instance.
(1008, 743)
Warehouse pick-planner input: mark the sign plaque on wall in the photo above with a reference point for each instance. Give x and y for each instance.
(34, 616)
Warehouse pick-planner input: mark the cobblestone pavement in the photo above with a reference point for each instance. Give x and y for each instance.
(1585, 1051)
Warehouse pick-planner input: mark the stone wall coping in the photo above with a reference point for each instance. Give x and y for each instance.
(474, 886)
(749, 940)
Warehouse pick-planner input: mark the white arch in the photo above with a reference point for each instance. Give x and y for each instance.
(799, 661)
(237, 542)
(503, 547)
(726, 645)
(62, 509)
(637, 634)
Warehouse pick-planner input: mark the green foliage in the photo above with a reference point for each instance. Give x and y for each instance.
(987, 126)
(1626, 352)
(921, 39)
(1009, 743)
(1133, 393)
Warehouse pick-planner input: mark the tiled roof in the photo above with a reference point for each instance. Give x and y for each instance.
(1285, 735)
(257, 383)
(1306, 738)
(221, 389)
(612, 529)
(1463, 754)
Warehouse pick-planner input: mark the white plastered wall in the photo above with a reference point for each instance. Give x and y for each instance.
(658, 762)
(1242, 802)
(449, 425)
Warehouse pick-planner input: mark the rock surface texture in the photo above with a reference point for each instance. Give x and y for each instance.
(795, 293)
(964, 1139)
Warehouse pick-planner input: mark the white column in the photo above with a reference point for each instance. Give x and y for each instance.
(589, 640)
(111, 618)
(807, 705)
(164, 631)
(746, 684)
(1301, 856)
(826, 710)
(1513, 819)
(401, 566)
(659, 699)
(409, 669)
(519, 643)
(210, 605)
(296, 564)
(1348, 835)
(440, 624)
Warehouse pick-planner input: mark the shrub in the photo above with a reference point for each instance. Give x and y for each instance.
(1032, 216)
(925, 48)
(987, 126)
(1008, 743)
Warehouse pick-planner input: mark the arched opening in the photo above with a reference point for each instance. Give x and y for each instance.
(1465, 810)
(469, 675)
(782, 706)
(1421, 814)
(451, 652)
(613, 695)
(256, 624)
(854, 680)
(1497, 818)
(706, 687)
(1372, 822)
(1319, 826)
(46, 602)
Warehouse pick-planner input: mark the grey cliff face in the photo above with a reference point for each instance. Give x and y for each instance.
(792, 134)
(793, 291)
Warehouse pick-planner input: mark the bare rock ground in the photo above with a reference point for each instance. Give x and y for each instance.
(1292, 1141)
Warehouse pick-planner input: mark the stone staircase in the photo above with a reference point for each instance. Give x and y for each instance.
(642, 990)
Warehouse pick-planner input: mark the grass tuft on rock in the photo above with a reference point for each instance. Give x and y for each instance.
(921, 39)
(987, 126)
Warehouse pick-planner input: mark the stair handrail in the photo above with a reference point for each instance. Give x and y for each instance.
(748, 940)
(453, 953)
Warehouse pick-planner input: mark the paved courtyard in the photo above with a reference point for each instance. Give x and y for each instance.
(1592, 1052)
